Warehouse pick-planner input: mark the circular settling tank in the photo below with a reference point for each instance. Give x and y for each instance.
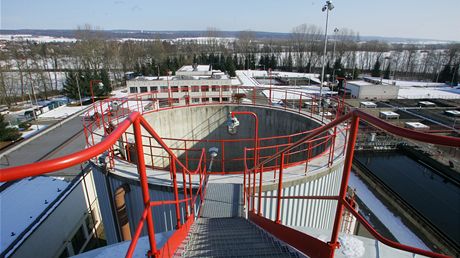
(188, 130)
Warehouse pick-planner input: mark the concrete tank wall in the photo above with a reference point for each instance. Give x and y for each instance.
(208, 123)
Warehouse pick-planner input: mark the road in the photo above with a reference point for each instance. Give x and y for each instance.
(67, 138)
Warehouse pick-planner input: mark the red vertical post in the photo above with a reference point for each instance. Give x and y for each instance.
(280, 189)
(343, 186)
(184, 183)
(192, 205)
(259, 207)
(222, 160)
(176, 191)
(244, 178)
(308, 156)
(144, 184)
(333, 146)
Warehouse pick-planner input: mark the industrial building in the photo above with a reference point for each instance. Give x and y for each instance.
(369, 90)
(191, 83)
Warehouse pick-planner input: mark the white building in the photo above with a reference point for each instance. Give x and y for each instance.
(196, 84)
(46, 216)
(367, 90)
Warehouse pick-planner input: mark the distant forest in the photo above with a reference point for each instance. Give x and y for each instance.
(29, 66)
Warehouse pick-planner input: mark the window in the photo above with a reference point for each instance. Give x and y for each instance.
(225, 88)
(143, 89)
(215, 99)
(205, 88)
(90, 221)
(205, 100)
(154, 89)
(184, 88)
(64, 254)
(214, 88)
(195, 100)
(78, 240)
(225, 99)
(195, 88)
(174, 89)
(175, 100)
(164, 88)
(132, 89)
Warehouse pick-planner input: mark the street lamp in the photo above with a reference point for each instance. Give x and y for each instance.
(99, 84)
(326, 8)
(333, 53)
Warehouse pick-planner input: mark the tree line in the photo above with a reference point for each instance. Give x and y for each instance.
(28, 67)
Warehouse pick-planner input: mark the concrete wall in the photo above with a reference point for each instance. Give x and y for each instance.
(207, 123)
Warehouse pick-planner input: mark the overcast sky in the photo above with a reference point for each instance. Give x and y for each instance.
(428, 19)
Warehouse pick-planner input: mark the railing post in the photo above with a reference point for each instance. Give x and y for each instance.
(332, 150)
(343, 186)
(144, 185)
(176, 192)
(184, 183)
(259, 206)
(280, 189)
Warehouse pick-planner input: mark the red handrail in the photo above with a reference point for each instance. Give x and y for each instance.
(355, 115)
(43, 167)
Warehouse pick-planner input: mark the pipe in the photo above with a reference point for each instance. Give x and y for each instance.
(122, 214)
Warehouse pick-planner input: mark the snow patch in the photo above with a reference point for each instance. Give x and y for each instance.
(351, 247)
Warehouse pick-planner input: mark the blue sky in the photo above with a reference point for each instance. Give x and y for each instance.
(430, 19)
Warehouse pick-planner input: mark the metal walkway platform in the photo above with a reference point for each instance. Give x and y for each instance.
(222, 232)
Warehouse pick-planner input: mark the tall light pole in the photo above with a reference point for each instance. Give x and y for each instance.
(327, 7)
(78, 87)
(333, 53)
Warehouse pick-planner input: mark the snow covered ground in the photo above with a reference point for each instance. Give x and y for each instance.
(62, 112)
(411, 92)
(394, 224)
(23, 202)
(34, 129)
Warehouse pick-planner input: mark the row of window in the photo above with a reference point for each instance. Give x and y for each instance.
(213, 88)
(83, 238)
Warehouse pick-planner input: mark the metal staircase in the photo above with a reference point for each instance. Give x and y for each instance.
(222, 232)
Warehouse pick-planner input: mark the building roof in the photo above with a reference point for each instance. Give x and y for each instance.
(199, 68)
(23, 202)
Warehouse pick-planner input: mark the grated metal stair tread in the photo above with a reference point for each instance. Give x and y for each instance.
(222, 232)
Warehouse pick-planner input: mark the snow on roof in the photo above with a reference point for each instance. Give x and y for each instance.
(23, 202)
(416, 125)
(367, 104)
(389, 113)
(361, 83)
(453, 112)
(199, 68)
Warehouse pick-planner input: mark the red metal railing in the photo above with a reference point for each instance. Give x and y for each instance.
(145, 103)
(190, 196)
(311, 246)
(127, 114)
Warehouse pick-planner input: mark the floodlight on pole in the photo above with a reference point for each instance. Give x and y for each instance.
(326, 8)
(333, 53)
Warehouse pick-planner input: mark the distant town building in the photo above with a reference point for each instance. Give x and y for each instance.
(192, 83)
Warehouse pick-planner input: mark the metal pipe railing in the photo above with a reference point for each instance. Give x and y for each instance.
(355, 116)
